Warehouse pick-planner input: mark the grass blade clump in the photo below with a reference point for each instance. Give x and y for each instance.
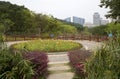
(105, 62)
(13, 65)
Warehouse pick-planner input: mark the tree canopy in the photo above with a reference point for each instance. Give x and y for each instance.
(15, 19)
(114, 6)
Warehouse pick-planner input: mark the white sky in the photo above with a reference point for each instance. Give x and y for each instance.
(64, 8)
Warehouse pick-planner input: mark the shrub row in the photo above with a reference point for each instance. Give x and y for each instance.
(77, 59)
(39, 60)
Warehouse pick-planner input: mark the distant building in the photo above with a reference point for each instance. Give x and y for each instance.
(89, 25)
(68, 19)
(96, 19)
(78, 20)
(104, 22)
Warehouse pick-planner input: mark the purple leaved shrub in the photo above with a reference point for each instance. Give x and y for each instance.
(77, 59)
(40, 62)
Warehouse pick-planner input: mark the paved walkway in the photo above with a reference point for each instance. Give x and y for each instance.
(89, 45)
(58, 62)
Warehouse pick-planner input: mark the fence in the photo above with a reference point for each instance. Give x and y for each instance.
(84, 37)
(65, 37)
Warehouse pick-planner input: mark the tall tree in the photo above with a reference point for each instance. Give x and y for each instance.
(114, 6)
(41, 22)
(16, 18)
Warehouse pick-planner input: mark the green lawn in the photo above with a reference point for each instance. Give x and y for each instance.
(48, 45)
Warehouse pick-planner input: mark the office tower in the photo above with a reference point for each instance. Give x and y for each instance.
(96, 19)
(78, 20)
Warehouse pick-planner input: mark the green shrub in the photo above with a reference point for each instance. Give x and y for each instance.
(13, 65)
(105, 63)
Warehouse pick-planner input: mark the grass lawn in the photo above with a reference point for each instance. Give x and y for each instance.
(48, 45)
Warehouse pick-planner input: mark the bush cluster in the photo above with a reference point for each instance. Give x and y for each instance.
(77, 59)
(39, 60)
(14, 66)
(18, 65)
(105, 62)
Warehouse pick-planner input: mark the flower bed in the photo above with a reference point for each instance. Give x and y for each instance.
(48, 45)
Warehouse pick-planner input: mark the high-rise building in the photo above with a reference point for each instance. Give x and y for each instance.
(68, 19)
(78, 20)
(96, 19)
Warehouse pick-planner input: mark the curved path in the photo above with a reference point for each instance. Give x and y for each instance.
(89, 45)
(58, 63)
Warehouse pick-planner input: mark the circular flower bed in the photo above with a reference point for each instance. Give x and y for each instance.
(48, 45)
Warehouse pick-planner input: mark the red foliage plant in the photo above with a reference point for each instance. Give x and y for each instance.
(77, 59)
(40, 61)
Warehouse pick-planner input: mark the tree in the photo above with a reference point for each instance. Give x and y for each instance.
(114, 6)
(113, 28)
(99, 30)
(41, 21)
(68, 29)
(5, 26)
(79, 27)
(16, 18)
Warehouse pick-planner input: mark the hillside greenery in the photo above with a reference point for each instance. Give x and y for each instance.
(15, 19)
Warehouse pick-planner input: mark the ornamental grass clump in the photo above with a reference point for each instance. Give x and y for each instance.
(105, 62)
(13, 65)
(20, 65)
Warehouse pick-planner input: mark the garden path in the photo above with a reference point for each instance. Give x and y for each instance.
(58, 62)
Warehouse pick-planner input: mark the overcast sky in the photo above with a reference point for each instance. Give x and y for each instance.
(64, 8)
